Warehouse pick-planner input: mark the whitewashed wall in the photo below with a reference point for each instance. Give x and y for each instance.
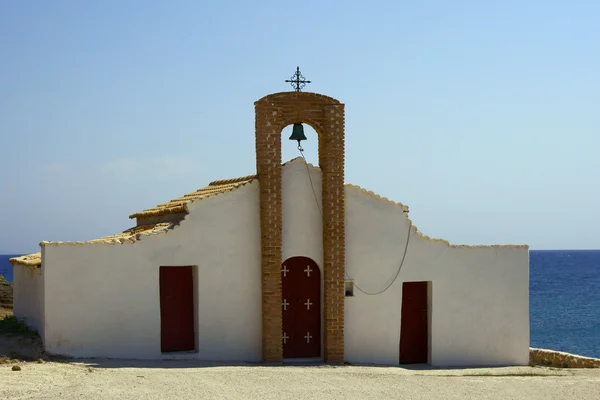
(28, 296)
(480, 295)
(110, 306)
(302, 226)
(102, 300)
(301, 217)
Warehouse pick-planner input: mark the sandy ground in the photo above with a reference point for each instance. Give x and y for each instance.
(116, 379)
(109, 379)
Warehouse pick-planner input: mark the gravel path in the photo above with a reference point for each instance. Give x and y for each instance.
(190, 380)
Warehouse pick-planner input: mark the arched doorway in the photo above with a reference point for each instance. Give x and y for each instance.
(301, 308)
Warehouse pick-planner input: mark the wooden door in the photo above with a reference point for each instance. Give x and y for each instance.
(414, 322)
(176, 309)
(301, 308)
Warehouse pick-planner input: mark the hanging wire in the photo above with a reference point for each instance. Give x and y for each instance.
(397, 272)
(301, 150)
(312, 186)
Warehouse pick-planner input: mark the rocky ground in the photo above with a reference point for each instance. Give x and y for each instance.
(6, 298)
(17, 343)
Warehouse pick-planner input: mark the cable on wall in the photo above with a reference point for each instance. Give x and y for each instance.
(397, 272)
(301, 150)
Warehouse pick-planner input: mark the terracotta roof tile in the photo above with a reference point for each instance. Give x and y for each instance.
(177, 206)
(130, 235)
(31, 260)
(133, 233)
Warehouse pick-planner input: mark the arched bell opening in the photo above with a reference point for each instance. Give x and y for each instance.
(303, 135)
(325, 115)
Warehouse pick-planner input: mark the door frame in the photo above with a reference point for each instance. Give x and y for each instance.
(169, 354)
(429, 290)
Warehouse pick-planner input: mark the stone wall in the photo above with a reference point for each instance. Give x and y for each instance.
(559, 359)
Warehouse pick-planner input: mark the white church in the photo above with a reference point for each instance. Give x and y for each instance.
(290, 263)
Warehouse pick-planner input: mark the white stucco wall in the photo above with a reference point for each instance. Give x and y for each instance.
(302, 230)
(102, 300)
(28, 296)
(480, 295)
(301, 218)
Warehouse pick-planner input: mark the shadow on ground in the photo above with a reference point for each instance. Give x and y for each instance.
(412, 369)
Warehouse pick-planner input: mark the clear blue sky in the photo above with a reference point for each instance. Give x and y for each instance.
(482, 116)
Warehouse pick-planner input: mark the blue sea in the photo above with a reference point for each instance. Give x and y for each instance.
(564, 299)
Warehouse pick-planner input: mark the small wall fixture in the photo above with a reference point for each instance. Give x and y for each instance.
(349, 288)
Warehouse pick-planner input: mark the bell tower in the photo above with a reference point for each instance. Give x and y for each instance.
(326, 116)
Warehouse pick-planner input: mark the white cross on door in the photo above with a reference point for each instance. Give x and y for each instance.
(285, 304)
(308, 304)
(285, 271)
(285, 337)
(308, 270)
(307, 337)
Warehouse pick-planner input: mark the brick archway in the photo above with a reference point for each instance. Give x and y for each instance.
(326, 116)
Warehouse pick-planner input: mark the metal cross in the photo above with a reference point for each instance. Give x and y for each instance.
(285, 337)
(285, 271)
(308, 304)
(297, 80)
(307, 337)
(285, 304)
(308, 270)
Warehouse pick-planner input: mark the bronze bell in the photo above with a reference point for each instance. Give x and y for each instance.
(298, 133)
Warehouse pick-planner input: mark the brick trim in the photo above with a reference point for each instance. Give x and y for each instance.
(326, 115)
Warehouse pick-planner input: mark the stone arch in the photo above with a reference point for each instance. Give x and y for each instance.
(326, 115)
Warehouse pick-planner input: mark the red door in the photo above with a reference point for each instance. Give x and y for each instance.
(301, 308)
(176, 309)
(414, 321)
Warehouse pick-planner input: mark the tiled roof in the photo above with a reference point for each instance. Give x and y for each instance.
(31, 260)
(177, 206)
(131, 234)
(174, 206)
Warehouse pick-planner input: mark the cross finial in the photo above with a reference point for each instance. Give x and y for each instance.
(297, 80)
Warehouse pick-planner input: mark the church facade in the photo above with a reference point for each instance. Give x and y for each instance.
(290, 263)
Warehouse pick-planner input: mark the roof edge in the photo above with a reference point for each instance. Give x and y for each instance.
(302, 160)
(376, 196)
(28, 260)
(416, 230)
(307, 95)
(183, 209)
(232, 180)
(131, 235)
(465, 246)
(178, 209)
